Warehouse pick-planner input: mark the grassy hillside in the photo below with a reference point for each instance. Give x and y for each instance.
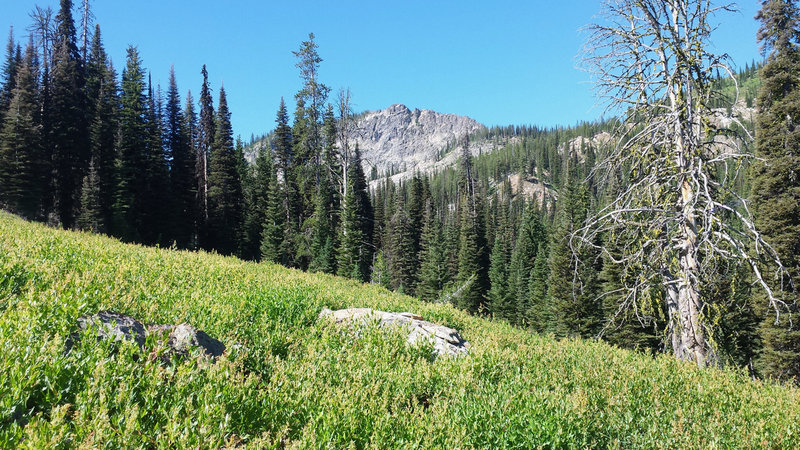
(294, 382)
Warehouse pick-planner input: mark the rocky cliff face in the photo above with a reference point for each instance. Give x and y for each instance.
(399, 139)
(404, 141)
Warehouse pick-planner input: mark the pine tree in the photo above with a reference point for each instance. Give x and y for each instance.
(91, 216)
(416, 210)
(205, 140)
(403, 253)
(283, 143)
(132, 153)
(191, 128)
(103, 96)
(68, 125)
(325, 218)
(470, 295)
(638, 327)
(380, 216)
(23, 163)
(323, 246)
(501, 299)
(572, 296)
(776, 186)
(355, 241)
(530, 236)
(156, 213)
(183, 186)
(473, 260)
(732, 305)
(539, 314)
(274, 229)
(501, 302)
(255, 186)
(310, 112)
(225, 209)
(433, 274)
(8, 78)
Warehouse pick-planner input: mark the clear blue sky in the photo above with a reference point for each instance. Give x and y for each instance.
(500, 62)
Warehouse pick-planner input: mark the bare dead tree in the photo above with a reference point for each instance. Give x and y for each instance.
(87, 20)
(346, 128)
(678, 219)
(43, 30)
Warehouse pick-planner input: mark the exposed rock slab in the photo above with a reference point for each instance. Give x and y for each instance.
(179, 339)
(446, 341)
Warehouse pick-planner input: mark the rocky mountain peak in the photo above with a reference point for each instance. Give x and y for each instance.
(399, 139)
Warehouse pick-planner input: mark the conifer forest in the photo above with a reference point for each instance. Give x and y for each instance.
(671, 226)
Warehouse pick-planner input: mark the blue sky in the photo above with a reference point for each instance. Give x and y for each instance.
(500, 62)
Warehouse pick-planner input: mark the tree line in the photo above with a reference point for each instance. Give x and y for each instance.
(82, 149)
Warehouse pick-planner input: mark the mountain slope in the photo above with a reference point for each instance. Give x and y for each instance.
(291, 381)
(398, 139)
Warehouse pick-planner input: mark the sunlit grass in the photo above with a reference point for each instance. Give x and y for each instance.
(288, 380)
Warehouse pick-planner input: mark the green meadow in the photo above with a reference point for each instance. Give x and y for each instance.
(288, 380)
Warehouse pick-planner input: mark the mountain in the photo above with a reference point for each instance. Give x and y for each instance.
(398, 139)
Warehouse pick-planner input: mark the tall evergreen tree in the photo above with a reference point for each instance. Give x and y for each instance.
(501, 302)
(539, 314)
(355, 243)
(776, 185)
(403, 254)
(433, 274)
(177, 139)
(530, 236)
(156, 205)
(205, 140)
(191, 128)
(501, 299)
(103, 97)
(311, 109)
(23, 163)
(132, 157)
(68, 125)
(8, 77)
(323, 246)
(470, 292)
(255, 188)
(225, 209)
(290, 205)
(572, 296)
(473, 259)
(273, 242)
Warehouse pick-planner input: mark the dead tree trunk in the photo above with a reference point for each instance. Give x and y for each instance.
(673, 219)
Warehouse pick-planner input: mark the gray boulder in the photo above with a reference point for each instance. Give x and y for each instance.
(446, 341)
(182, 338)
(179, 339)
(115, 326)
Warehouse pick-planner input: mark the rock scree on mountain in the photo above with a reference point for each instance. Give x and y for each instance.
(178, 339)
(446, 341)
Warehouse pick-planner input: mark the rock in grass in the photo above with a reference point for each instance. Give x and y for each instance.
(112, 325)
(182, 338)
(179, 339)
(446, 341)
